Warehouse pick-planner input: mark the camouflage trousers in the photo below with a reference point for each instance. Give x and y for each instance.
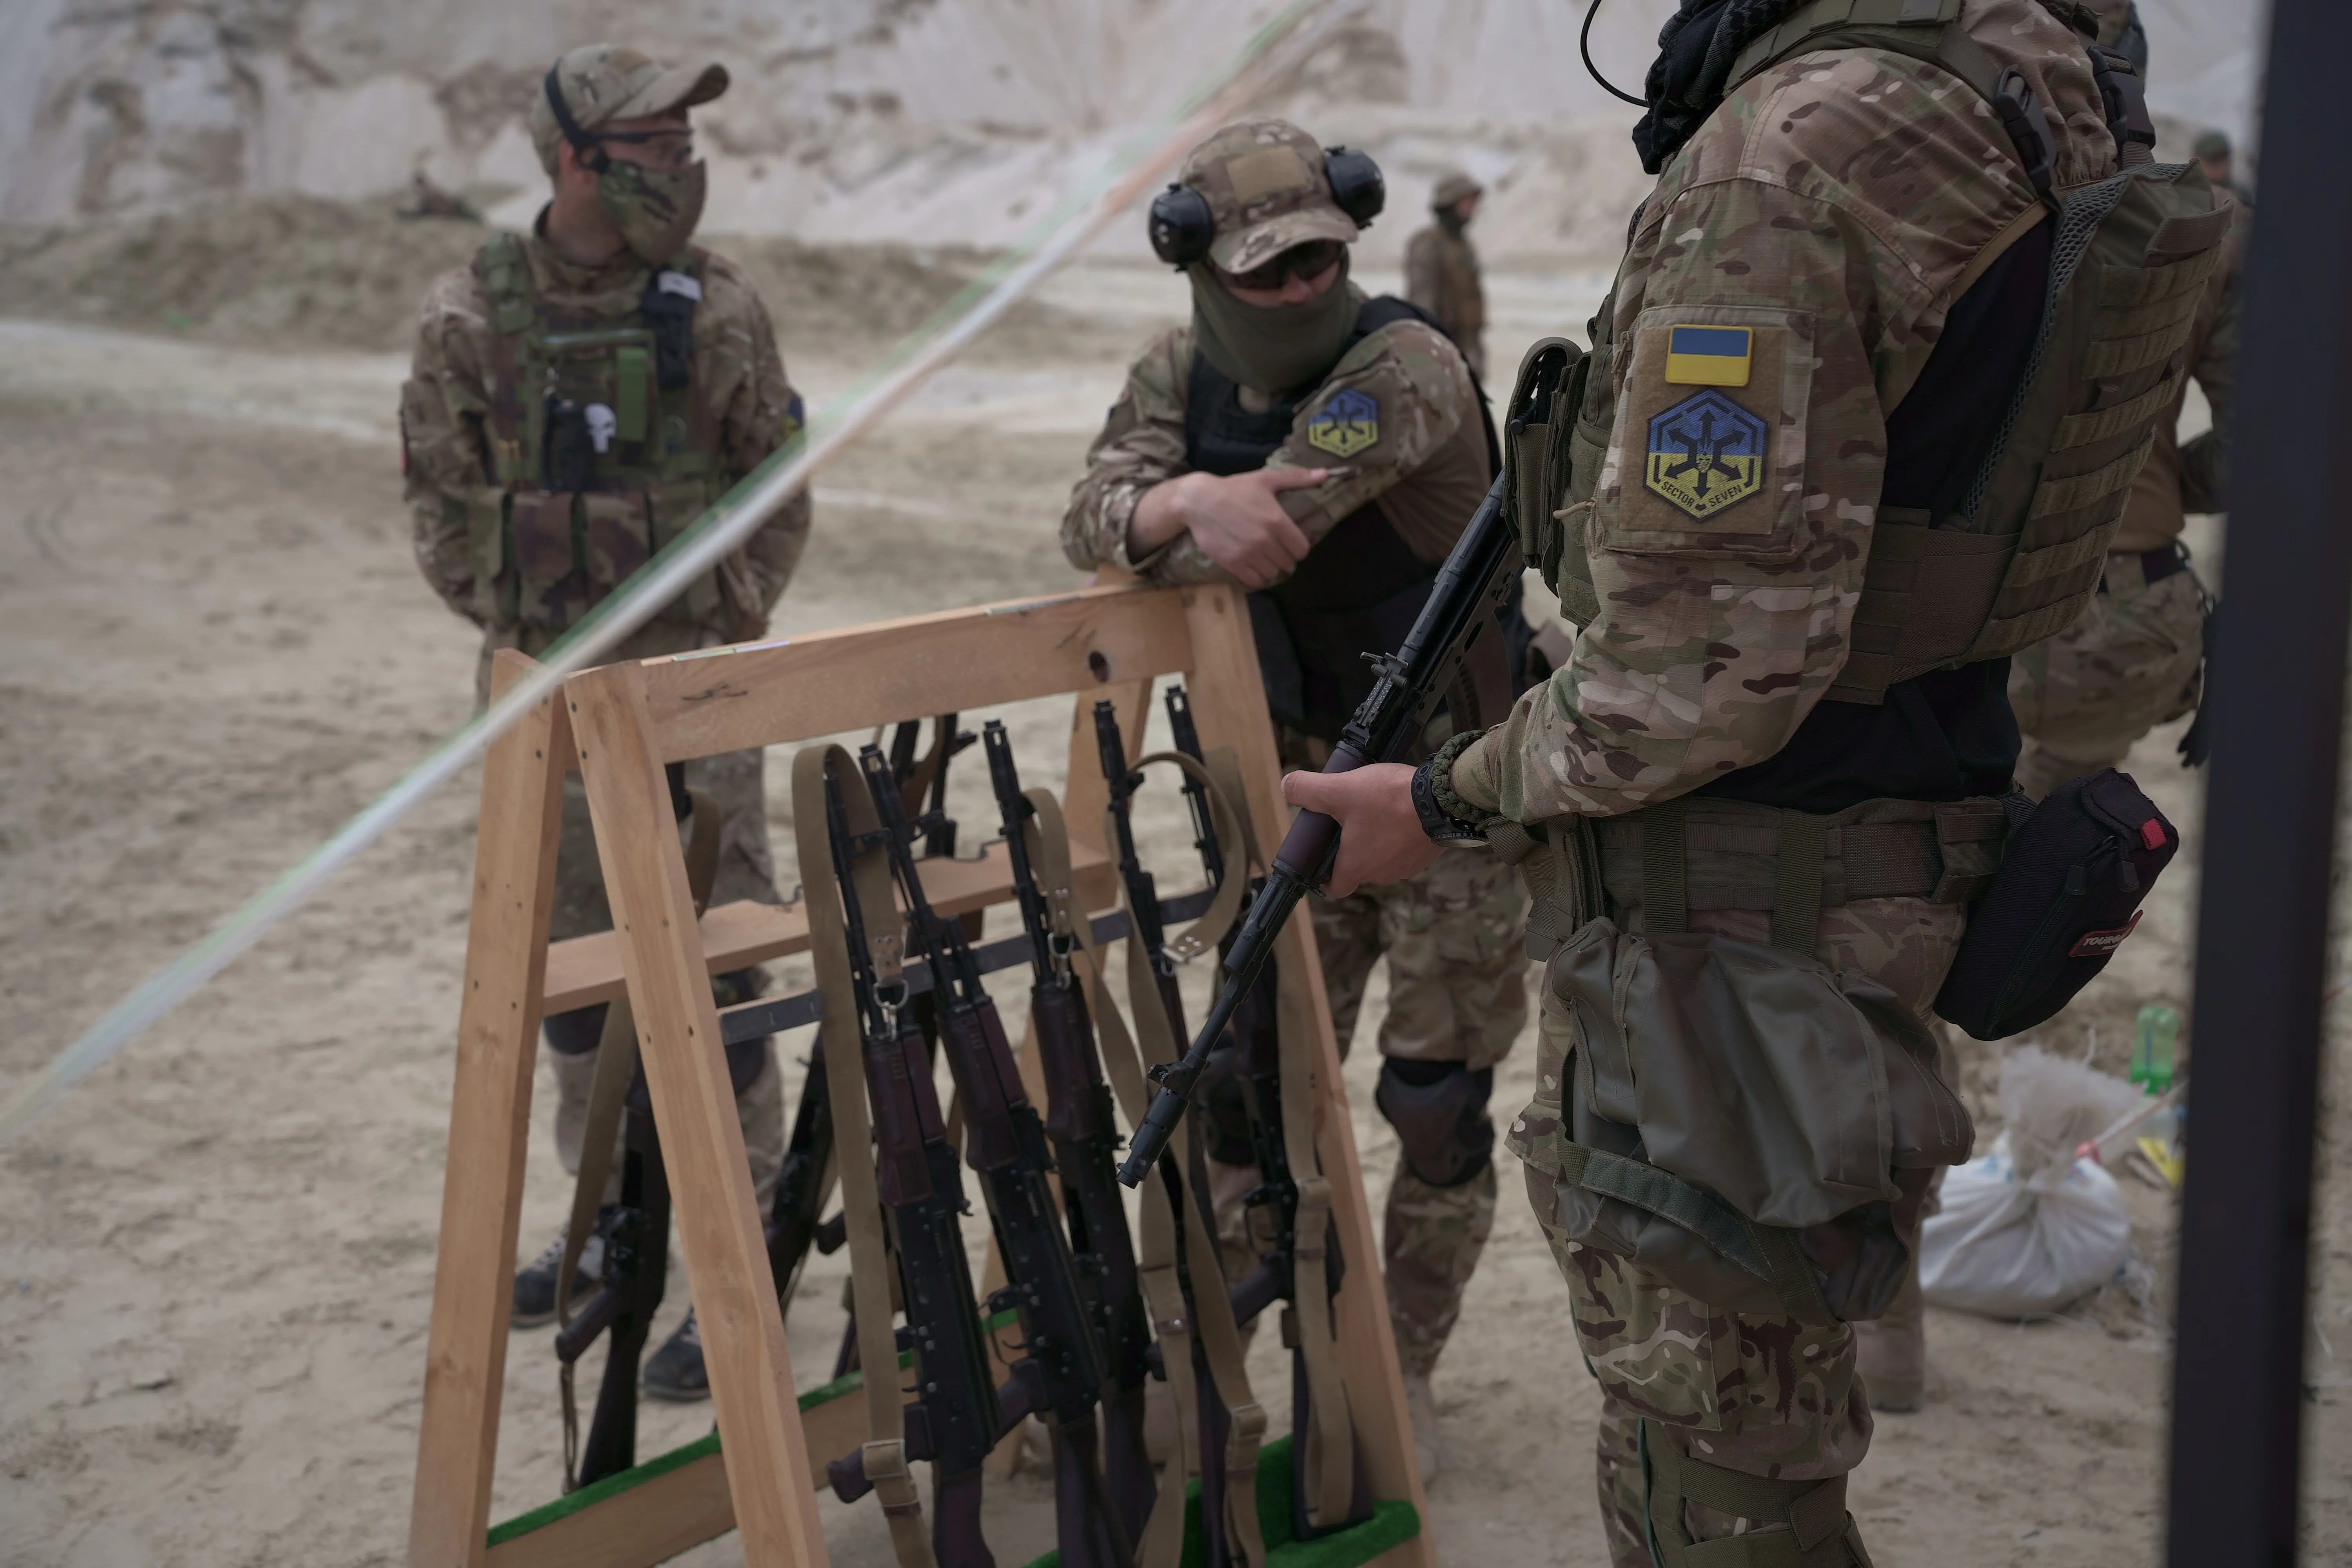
(1764, 1395)
(1455, 941)
(2085, 697)
(736, 784)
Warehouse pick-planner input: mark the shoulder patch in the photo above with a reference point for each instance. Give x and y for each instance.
(1349, 423)
(1705, 453)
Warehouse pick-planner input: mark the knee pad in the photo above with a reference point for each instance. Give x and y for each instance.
(1439, 1111)
(574, 1034)
(1817, 1525)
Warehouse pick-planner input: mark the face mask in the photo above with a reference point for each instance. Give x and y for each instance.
(1273, 349)
(654, 209)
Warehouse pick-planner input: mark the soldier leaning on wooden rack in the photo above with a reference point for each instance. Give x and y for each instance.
(579, 395)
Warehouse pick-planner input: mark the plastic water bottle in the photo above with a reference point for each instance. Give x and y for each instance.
(2156, 1033)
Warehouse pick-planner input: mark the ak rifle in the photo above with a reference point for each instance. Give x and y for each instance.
(1061, 1378)
(1472, 587)
(1079, 1122)
(954, 1421)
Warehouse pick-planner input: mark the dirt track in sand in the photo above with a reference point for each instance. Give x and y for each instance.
(216, 1256)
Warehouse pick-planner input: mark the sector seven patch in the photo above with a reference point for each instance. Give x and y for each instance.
(1345, 426)
(1707, 453)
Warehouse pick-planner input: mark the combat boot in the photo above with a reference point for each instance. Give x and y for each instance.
(534, 1285)
(1421, 1404)
(676, 1372)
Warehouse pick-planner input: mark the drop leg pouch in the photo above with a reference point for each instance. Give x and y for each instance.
(1742, 1121)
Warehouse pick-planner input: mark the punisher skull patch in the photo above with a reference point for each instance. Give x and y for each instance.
(1346, 425)
(1706, 454)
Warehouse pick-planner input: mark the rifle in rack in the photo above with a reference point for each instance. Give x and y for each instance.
(1142, 891)
(1078, 1119)
(1252, 1061)
(954, 1421)
(1473, 586)
(1061, 1378)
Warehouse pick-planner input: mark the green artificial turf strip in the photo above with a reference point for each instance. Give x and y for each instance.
(1390, 1523)
(570, 1504)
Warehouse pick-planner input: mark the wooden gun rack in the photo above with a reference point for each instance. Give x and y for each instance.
(618, 725)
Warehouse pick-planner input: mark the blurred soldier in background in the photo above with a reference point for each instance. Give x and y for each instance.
(1440, 270)
(580, 395)
(1324, 450)
(2218, 159)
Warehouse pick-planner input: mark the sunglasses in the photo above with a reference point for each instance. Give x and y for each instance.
(1312, 259)
(669, 148)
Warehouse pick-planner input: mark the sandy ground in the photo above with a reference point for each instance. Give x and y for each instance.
(215, 1257)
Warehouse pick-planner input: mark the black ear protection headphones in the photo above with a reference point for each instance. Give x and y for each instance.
(1183, 226)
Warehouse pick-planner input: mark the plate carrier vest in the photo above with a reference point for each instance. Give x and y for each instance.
(1361, 587)
(2021, 559)
(602, 445)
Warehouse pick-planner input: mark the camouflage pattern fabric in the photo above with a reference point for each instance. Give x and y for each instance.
(1425, 464)
(1832, 205)
(1441, 276)
(1764, 1395)
(450, 392)
(602, 82)
(1267, 190)
(2179, 478)
(1455, 938)
(2084, 698)
(758, 1112)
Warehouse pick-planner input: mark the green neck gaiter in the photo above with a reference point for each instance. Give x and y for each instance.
(1273, 349)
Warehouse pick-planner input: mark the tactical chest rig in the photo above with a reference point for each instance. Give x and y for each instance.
(1359, 589)
(602, 442)
(2021, 558)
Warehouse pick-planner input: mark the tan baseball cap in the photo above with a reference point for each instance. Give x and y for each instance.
(602, 82)
(1266, 187)
(1451, 187)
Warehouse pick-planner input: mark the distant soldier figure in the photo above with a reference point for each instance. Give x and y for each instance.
(2218, 159)
(1441, 269)
(1325, 450)
(581, 394)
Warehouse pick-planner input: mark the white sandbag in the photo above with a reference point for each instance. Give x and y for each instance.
(2011, 1246)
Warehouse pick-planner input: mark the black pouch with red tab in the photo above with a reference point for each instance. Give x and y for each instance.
(2067, 893)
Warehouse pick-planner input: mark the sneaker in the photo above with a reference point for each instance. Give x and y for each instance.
(534, 1286)
(676, 1372)
(1421, 1404)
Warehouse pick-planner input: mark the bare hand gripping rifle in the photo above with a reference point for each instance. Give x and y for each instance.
(1474, 585)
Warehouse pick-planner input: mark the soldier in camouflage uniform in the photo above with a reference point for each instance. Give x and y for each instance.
(1323, 451)
(2136, 660)
(1440, 267)
(1828, 303)
(578, 395)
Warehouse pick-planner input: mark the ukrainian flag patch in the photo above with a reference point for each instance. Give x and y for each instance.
(1710, 356)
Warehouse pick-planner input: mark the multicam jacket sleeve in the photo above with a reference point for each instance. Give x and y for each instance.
(1408, 377)
(445, 464)
(1832, 207)
(757, 412)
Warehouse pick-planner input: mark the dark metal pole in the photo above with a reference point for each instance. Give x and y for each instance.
(2277, 703)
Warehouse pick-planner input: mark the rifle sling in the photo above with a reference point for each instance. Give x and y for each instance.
(861, 1201)
(1204, 933)
(1212, 1308)
(1161, 1544)
(608, 1087)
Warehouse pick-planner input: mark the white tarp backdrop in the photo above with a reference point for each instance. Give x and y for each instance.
(925, 120)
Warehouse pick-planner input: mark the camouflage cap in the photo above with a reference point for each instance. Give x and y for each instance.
(1451, 187)
(2210, 145)
(1266, 187)
(602, 83)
